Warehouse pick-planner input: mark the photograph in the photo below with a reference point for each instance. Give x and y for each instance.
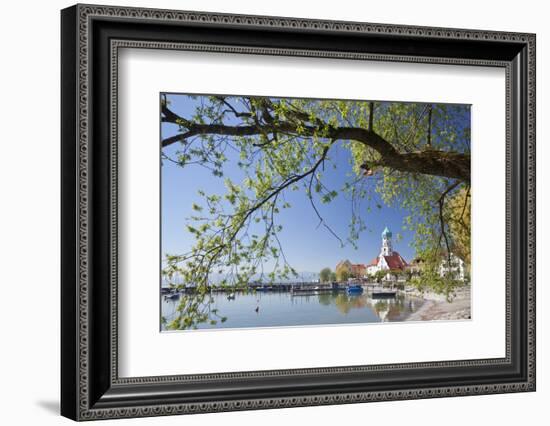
(282, 211)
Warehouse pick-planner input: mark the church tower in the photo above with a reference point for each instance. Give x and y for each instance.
(386, 243)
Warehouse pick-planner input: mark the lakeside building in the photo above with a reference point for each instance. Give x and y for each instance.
(416, 266)
(354, 270)
(391, 261)
(454, 268)
(388, 259)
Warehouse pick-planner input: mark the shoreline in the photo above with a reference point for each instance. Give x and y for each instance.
(436, 308)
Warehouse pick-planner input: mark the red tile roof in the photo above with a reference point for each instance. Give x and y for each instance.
(395, 261)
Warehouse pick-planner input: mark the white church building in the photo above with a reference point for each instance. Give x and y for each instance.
(391, 261)
(388, 259)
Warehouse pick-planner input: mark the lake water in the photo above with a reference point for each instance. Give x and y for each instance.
(276, 309)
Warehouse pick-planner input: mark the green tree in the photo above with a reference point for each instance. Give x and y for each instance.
(379, 276)
(431, 280)
(458, 215)
(342, 275)
(325, 275)
(415, 156)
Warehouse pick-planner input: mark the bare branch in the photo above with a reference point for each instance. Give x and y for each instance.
(232, 109)
(441, 203)
(371, 115)
(429, 142)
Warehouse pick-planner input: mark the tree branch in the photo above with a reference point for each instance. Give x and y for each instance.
(429, 142)
(233, 110)
(448, 164)
(441, 203)
(321, 220)
(371, 115)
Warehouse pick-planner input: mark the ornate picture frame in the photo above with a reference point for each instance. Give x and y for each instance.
(91, 37)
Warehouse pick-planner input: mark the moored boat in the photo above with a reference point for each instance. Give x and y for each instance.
(384, 294)
(355, 289)
(172, 296)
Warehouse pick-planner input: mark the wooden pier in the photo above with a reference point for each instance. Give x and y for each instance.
(295, 288)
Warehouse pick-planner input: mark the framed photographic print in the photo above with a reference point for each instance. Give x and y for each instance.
(263, 212)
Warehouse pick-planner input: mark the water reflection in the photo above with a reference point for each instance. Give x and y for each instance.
(273, 309)
(387, 309)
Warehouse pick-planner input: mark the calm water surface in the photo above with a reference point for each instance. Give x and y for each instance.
(275, 309)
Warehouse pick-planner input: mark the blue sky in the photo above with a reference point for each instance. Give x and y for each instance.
(307, 246)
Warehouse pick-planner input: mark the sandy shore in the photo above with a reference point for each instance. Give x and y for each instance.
(437, 309)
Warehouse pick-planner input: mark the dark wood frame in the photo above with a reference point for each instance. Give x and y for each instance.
(90, 386)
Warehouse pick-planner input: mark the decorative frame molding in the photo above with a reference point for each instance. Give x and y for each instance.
(91, 37)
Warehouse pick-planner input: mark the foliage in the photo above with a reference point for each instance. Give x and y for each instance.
(459, 219)
(193, 310)
(325, 275)
(379, 276)
(343, 274)
(432, 281)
